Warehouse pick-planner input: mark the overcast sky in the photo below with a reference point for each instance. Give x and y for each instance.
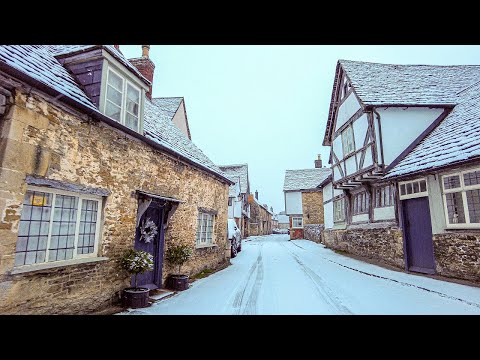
(267, 105)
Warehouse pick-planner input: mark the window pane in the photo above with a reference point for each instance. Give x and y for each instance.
(473, 202)
(63, 227)
(131, 121)
(112, 111)
(115, 80)
(409, 188)
(423, 186)
(472, 178)
(451, 182)
(455, 210)
(133, 99)
(87, 230)
(114, 96)
(416, 188)
(403, 190)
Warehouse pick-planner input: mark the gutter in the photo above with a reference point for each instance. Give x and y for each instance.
(94, 113)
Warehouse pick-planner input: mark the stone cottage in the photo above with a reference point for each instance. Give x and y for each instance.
(404, 153)
(88, 162)
(304, 201)
(260, 221)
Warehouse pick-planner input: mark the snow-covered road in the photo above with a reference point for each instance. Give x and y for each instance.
(273, 275)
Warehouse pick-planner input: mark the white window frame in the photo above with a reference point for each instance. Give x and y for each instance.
(296, 218)
(198, 238)
(463, 190)
(381, 189)
(123, 109)
(342, 201)
(346, 142)
(413, 195)
(80, 197)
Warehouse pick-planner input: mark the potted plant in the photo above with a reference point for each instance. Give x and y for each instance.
(136, 262)
(177, 255)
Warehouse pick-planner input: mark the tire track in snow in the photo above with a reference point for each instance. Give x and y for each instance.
(325, 292)
(251, 307)
(402, 283)
(238, 300)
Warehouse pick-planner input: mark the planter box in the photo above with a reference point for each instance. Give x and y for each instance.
(135, 297)
(177, 282)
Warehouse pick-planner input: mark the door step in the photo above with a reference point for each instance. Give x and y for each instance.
(160, 294)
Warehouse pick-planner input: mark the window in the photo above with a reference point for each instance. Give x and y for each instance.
(413, 189)
(384, 196)
(360, 203)
(204, 229)
(230, 201)
(122, 101)
(461, 195)
(339, 210)
(56, 226)
(347, 141)
(297, 222)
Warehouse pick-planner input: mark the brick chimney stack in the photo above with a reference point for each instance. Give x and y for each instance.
(145, 66)
(117, 47)
(318, 162)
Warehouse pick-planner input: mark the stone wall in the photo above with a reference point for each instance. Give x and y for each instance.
(313, 232)
(312, 204)
(383, 244)
(52, 141)
(457, 254)
(260, 220)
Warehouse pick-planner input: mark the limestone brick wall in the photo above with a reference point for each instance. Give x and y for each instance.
(41, 139)
(312, 203)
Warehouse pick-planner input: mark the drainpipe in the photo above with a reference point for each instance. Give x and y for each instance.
(380, 135)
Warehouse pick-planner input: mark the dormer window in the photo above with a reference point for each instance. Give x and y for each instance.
(122, 102)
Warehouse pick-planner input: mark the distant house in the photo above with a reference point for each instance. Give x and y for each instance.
(304, 199)
(405, 157)
(260, 217)
(90, 165)
(239, 207)
(283, 221)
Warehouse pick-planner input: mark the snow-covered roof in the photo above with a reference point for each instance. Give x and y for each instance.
(61, 50)
(164, 131)
(305, 179)
(283, 219)
(169, 106)
(232, 190)
(264, 206)
(387, 84)
(455, 139)
(37, 62)
(237, 171)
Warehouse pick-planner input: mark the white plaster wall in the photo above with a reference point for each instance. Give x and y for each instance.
(435, 200)
(327, 192)
(328, 215)
(180, 119)
(337, 192)
(337, 147)
(400, 126)
(293, 203)
(349, 107)
(377, 138)
(230, 211)
(384, 213)
(351, 165)
(359, 218)
(368, 158)
(336, 173)
(237, 209)
(360, 127)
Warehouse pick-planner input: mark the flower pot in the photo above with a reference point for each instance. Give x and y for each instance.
(177, 282)
(135, 297)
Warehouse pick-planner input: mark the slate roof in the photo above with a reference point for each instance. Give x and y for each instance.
(386, 84)
(38, 62)
(232, 192)
(305, 179)
(455, 139)
(237, 171)
(168, 105)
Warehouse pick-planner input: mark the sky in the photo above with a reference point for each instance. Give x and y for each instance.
(267, 105)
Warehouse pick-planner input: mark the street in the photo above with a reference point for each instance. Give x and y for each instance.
(272, 275)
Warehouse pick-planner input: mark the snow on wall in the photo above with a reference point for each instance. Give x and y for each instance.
(409, 122)
(359, 218)
(384, 213)
(328, 215)
(348, 108)
(293, 203)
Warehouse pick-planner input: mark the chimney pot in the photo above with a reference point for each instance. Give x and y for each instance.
(145, 51)
(318, 162)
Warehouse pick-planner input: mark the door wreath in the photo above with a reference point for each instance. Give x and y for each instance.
(148, 230)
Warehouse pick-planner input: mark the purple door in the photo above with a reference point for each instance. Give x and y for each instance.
(151, 279)
(418, 235)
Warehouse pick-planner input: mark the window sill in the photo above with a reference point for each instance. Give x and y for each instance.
(57, 264)
(206, 246)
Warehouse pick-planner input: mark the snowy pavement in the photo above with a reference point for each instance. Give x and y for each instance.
(272, 275)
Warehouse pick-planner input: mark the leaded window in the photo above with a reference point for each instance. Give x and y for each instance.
(347, 141)
(384, 196)
(205, 224)
(339, 210)
(360, 203)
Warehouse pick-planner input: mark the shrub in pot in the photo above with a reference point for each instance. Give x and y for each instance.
(136, 262)
(177, 255)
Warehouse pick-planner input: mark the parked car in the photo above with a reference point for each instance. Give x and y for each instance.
(235, 237)
(280, 231)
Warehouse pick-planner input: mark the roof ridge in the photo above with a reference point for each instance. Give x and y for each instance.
(388, 64)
